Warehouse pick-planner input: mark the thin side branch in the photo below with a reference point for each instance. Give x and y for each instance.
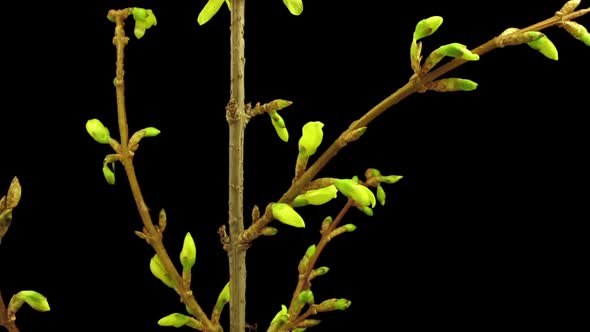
(414, 85)
(153, 236)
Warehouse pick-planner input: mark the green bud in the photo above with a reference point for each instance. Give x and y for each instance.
(569, 7)
(295, 6)
(316, 196)
(34, 299)
(151, 132)
(372, 172)
(13, 195)
(210, 9)
(285, 214)
(311, 138)
(150, 20)
(159, 272)
(349, 227)
(333, 304)
(454, 50)
(162, 220)
(306, 297)
(139, 29)
(223, 298)
(427, 27)
(269, 231)
(310, 251)
(326, 223)
(351, 136)
(188, 254)
(109, 175)
(139, 14)
(578, 31)
(320, 271)
(390, 178)
(452, 84)
(279, 125)
(175, 320)
(367, 210)
(281, 103)
(362, 195)
(545, 46)
(281, 317)
(98, 131)
(381, 195)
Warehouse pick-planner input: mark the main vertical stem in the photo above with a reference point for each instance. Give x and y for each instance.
(236, 120)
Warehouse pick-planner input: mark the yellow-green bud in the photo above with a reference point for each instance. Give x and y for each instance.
(390, 178)
(320, 271)
(310, 251)
(223, 298)
(282, 103)
(281, 317)
(362, 195)
(456, 50)
(381, 195)
(34, 299)
(210, 9)
(452, 84)
(139, 13)
(188, 254)
(109, 175)
(349, 227)
(367, 210)
(306, 297)
(269, 231)
(545, 46)
(316, 196)
(326, 223)
(295, 6)
(159, 272)
(279, 124)
(578, 31)
(427, 27)
(311, 138)
(175, 320)
(569, 7)
(98, 131)
(333, 304)
(151, 132)
(139, 29)
(150, 20)
(287, 215)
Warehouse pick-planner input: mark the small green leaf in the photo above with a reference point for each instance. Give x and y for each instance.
(294, 6)
(390, 179)
(211, 8)
(287, 215)
(306, 297)
(34, 299)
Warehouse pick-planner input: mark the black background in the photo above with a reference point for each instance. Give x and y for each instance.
(482, 232)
